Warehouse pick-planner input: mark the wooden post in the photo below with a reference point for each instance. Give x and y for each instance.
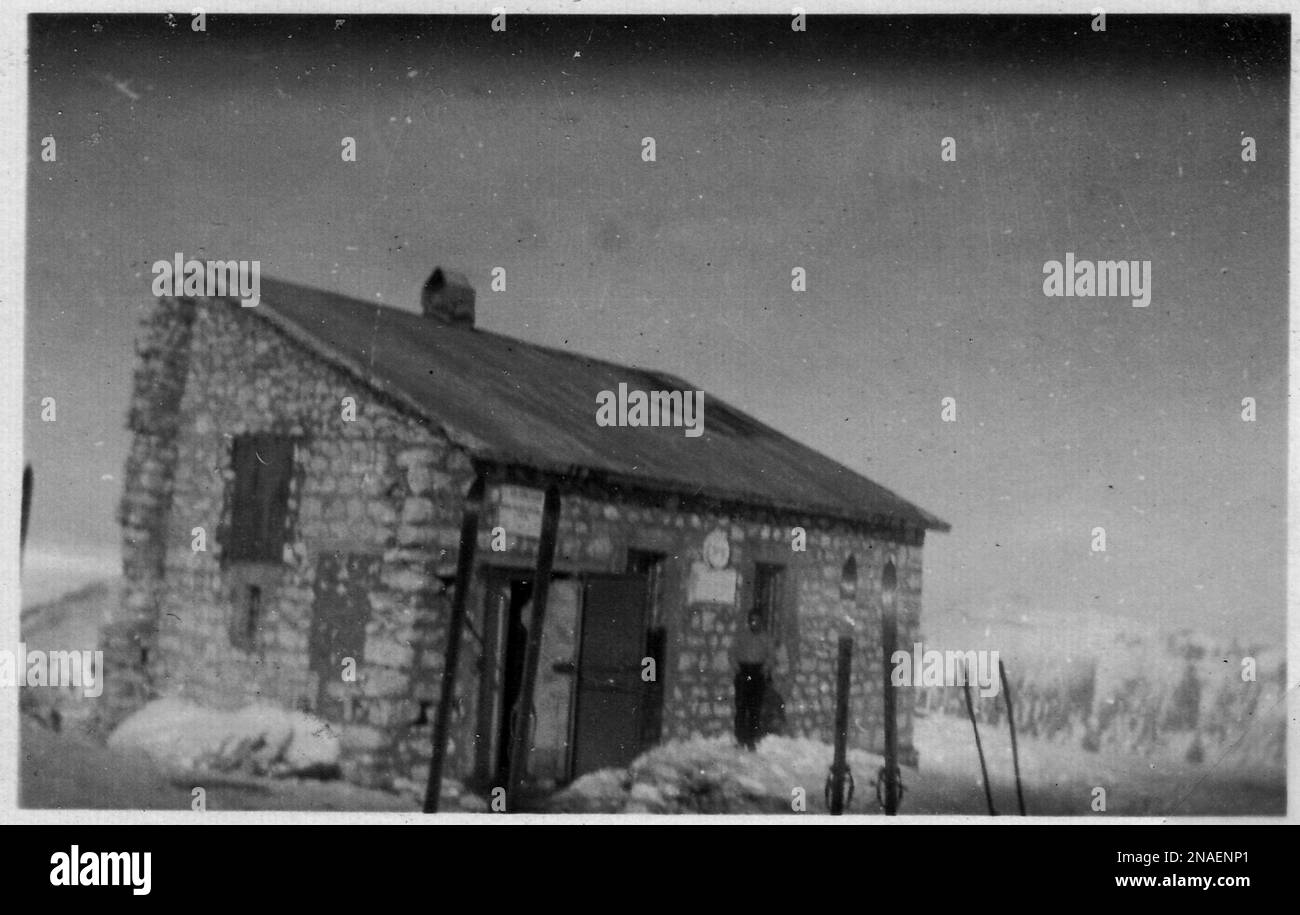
(455, 625)
(888, 643)
(523, 712)
(840, 767)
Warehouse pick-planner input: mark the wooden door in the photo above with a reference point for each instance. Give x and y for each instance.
(610, 692)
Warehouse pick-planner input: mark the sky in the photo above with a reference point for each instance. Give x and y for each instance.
(774, 150)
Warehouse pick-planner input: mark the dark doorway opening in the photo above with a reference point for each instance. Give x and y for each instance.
(515, 648)
(650, 566)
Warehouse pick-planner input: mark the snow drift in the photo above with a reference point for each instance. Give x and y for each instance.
(713, 775)
(257, 740)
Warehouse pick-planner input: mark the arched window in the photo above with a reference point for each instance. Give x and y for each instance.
(849, 579)
(888, 586)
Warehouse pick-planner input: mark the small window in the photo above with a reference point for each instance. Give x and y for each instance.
(649, 564)
(263, 466)
(248, 617)
(768, 580)
(849, 579)
(888, 585)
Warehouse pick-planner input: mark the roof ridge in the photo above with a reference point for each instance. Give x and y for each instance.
(499, 335)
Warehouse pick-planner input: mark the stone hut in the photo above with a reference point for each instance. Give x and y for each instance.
(292, 521)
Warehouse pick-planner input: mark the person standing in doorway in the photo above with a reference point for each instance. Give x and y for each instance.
(512, 674)
(753, 654)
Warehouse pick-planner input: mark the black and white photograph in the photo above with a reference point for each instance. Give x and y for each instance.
(487, 414)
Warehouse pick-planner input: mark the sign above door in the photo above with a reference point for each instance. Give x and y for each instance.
(519, 510)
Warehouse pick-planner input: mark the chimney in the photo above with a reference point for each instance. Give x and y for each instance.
(448, 297)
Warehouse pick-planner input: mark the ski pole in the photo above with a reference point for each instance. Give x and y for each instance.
(1011, 721)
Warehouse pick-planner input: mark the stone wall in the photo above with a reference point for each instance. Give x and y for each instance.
(360, 490)
(162, 366)
(382, 497)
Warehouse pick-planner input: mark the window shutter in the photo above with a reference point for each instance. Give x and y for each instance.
(263, 466)
(273, 479)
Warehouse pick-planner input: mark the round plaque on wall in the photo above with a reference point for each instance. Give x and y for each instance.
(717, 549)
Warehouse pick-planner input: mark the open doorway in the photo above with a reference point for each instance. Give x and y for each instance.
(507, 617)
(649, 565)
(589, 697)
(519, 594)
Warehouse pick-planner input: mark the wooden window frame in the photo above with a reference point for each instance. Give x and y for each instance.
(769, 583)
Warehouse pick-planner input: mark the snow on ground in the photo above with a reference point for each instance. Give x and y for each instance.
(713, 775)
(1059, 778)
(259, 739)
(73, 621)
(716, 776)
(68, 771)
(65, 770)
(50, 574)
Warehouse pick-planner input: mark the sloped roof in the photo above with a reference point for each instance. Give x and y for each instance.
(511, 402)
